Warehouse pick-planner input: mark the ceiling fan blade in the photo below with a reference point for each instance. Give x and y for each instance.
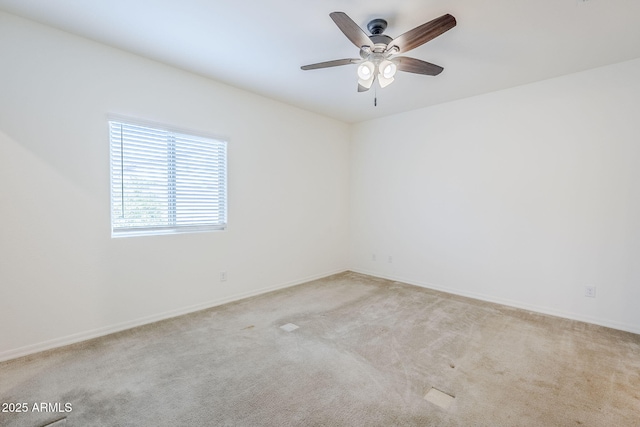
(422, 34)
(417, 66)
(327, 64)
(350, 29)
(362, 88)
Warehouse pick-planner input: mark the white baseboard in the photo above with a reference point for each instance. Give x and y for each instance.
(99, 332)
(516, 304)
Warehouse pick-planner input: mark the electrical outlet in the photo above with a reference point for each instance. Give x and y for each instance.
(590, 291)
(390, 259)
(373, 257)
(223, 276)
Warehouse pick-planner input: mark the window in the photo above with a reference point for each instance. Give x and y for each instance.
(165, 182)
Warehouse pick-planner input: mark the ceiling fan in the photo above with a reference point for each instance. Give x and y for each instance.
(378, 60)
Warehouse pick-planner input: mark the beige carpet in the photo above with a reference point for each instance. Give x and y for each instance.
(365, 352)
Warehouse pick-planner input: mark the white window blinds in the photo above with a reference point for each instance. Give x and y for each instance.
(165, 182)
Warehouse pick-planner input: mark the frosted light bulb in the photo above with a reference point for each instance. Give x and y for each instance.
(364, 70)
(389, 70)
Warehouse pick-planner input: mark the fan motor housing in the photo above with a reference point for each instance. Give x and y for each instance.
(376, 27)
(381, 39)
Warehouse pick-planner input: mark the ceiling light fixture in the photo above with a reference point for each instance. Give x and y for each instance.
(378, 52)
(366, 74)
(387, 71)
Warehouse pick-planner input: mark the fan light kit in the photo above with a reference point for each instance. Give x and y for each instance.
(378, 60)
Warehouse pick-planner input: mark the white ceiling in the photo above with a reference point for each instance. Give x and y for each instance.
(259, 45)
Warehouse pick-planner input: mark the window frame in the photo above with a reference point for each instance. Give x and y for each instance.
(153, 230)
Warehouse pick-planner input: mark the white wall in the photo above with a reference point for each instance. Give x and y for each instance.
(62, 278)
(522, 196)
